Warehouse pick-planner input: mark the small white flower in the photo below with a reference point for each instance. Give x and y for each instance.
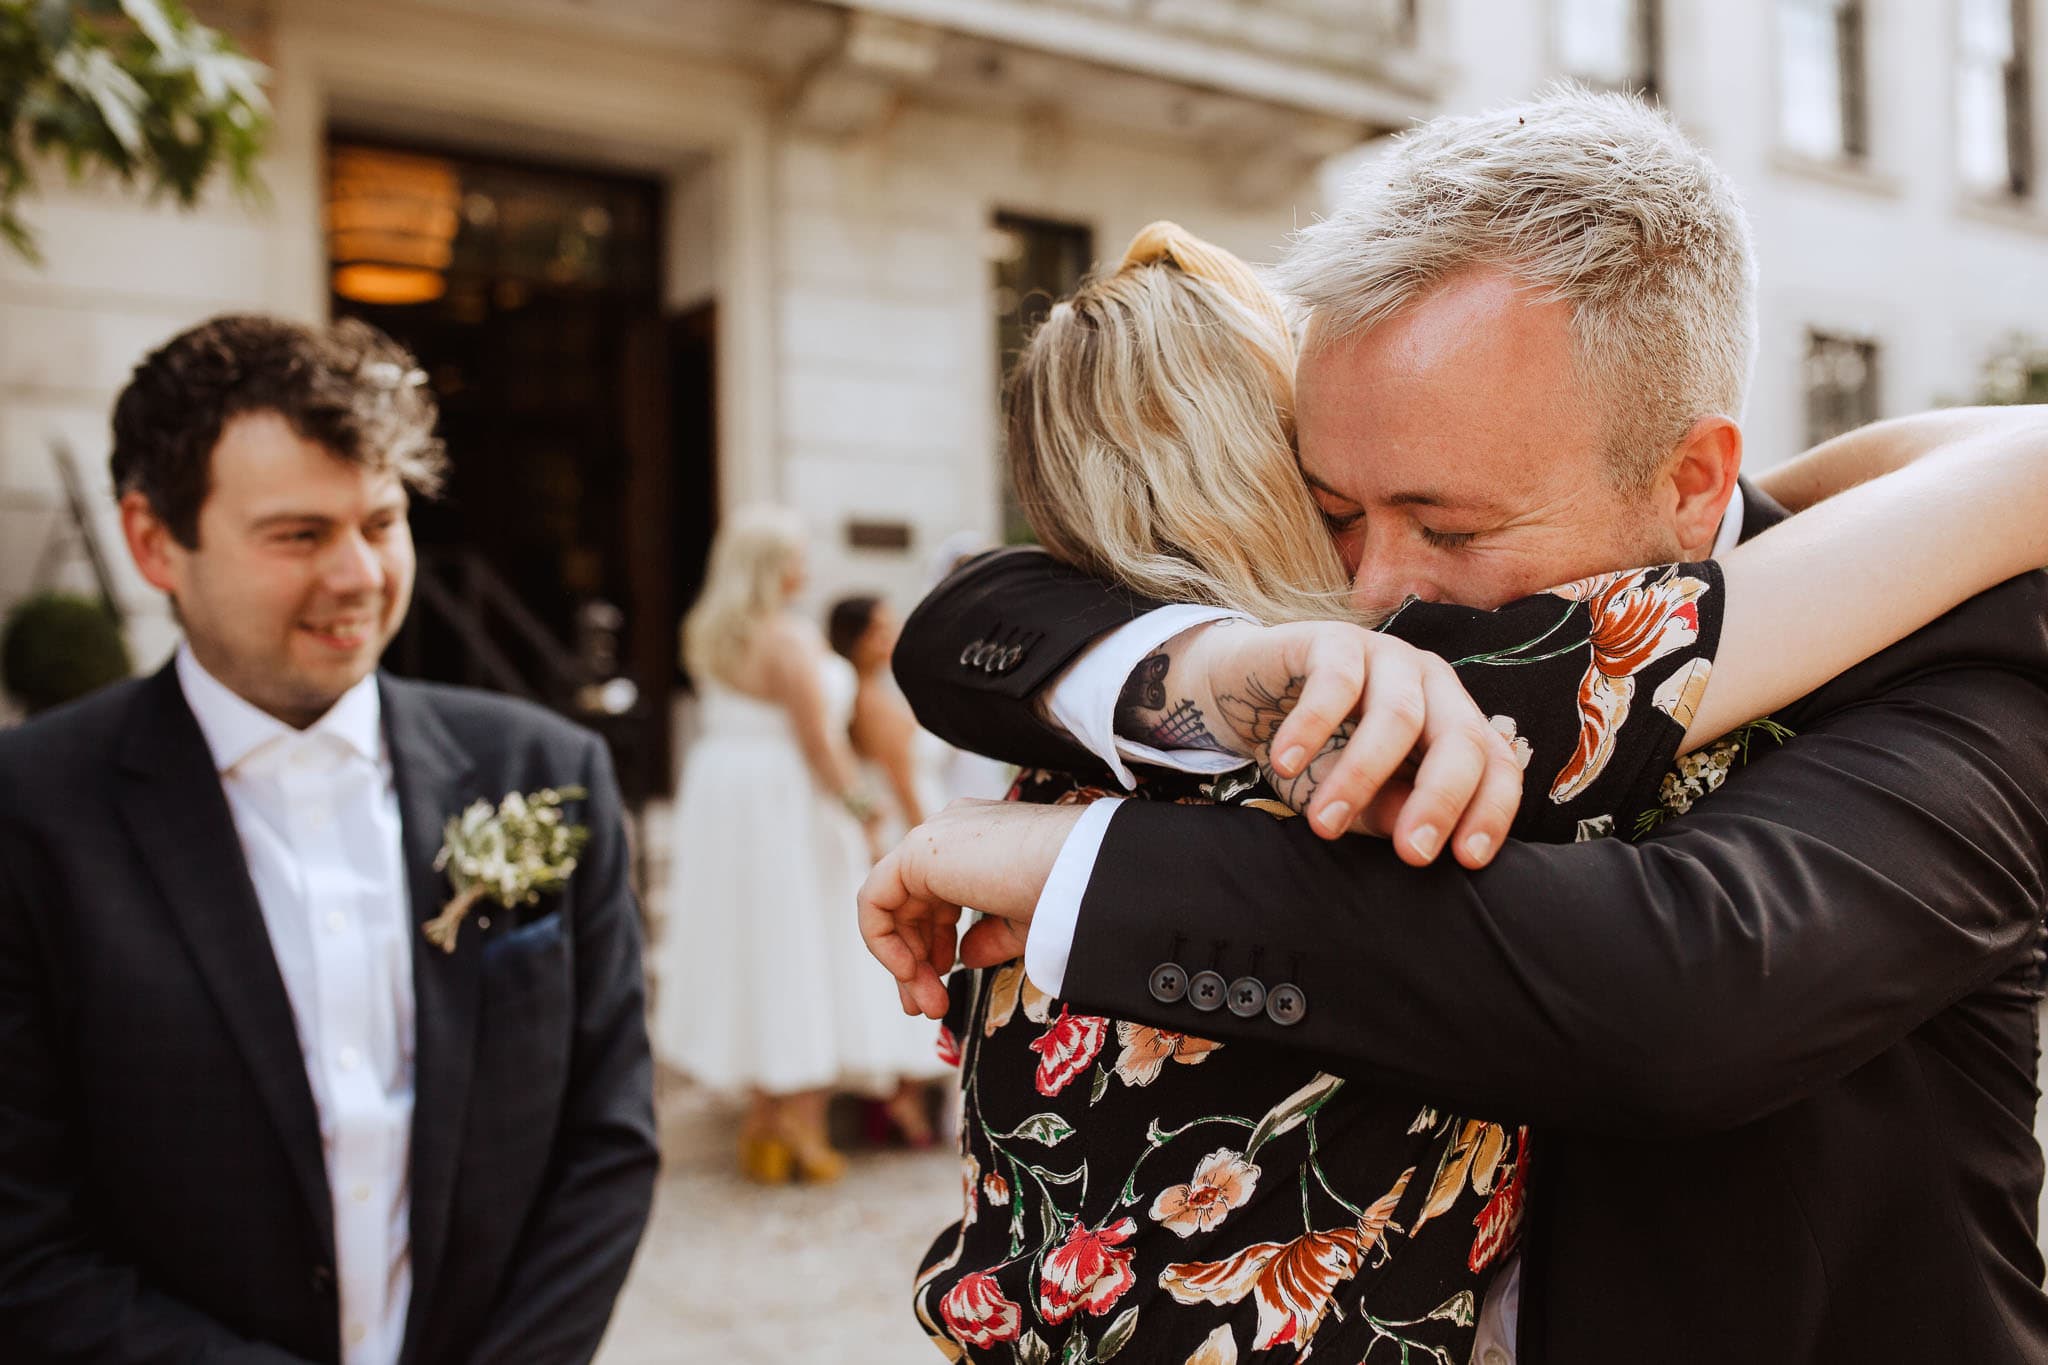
(513, 854)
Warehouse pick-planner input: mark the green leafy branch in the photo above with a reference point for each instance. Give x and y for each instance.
(138, 88)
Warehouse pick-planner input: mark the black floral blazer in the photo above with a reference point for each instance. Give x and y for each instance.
(1128, 1190)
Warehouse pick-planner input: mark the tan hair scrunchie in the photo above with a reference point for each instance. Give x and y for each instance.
(1176, 246)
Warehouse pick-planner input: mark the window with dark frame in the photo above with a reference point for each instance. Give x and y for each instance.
(1994, 98)
(1036, 262)
(1610, 44)
(1841, 384)
(1823, 102)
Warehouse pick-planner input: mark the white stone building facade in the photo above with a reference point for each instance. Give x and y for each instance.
(834, 174)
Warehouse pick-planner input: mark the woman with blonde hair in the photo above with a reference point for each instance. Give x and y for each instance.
(763, 985)
(1155, 1194)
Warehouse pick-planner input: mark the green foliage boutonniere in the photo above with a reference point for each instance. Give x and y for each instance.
(512, 854)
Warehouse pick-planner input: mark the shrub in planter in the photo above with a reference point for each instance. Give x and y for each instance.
(56, 647)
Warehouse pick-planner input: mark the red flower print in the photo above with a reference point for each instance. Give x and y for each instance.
(1069, 1047)
(979, 1313)
(1087, 1272)
(1637, 617)
(996, 1189)
(1500, 1222)
(949, 1047)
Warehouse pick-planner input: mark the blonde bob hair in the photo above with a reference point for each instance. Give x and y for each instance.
(1151, 436)
(745, 584)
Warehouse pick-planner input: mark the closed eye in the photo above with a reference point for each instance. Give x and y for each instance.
(1340, 521)
(1447, 540)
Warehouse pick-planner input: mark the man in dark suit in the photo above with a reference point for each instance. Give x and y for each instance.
(248, 1112)
(1781, 1051)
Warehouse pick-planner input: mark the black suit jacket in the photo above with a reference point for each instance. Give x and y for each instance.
(163, 1196)
(1780, 1054)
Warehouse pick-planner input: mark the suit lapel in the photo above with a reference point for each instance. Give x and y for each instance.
(1760, 512)
(177, 812)
(433, 775)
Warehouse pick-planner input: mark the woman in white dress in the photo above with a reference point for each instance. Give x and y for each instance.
(764, 984)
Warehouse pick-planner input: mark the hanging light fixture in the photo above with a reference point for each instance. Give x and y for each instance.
(391, 224)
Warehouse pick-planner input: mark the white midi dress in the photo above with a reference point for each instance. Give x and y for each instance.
(762, 979)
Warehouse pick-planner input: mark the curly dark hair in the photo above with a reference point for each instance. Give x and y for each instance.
(347, 386)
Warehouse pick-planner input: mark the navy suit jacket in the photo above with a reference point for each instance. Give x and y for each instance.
(163, 1196)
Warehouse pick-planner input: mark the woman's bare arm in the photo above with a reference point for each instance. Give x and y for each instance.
(885, 733)
(1856, 457)
(1964, 508)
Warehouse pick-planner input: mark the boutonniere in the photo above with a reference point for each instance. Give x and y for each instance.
(512, 853)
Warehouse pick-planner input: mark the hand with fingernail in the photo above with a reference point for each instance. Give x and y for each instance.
(1361, 731)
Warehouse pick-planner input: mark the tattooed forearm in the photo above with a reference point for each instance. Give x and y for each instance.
(1147, 711)
(1145, 689)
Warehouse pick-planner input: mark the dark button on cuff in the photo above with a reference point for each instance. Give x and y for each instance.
(1247, 996)
(1205, 991)
(1285, 1005)
(971, 655)
(1169, 983)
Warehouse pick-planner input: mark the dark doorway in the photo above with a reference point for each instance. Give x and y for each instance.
(532, 296)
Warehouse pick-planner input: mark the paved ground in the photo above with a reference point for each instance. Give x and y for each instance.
(740, 1275)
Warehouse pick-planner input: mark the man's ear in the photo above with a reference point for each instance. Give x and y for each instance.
(150, 542)
(1702, 475)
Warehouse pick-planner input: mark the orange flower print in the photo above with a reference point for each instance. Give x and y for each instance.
(1223, 1181)
(1474, 1157)
(1638, 617)
(1088, 1272)
(1067, 1048)
(1009, 988)
(948, 1047)
(1293, 1282)
(996, 1189)
(1146, 1050)
(979, 1313)
(1081, 796)
(1500, 1222)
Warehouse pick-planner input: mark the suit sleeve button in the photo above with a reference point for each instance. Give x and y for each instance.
(969, 654)
(1247, 996)
(1169, 983)
(1205, 991)
(1285, 1005)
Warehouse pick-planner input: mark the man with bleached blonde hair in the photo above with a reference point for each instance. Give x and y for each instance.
(1777, 1054)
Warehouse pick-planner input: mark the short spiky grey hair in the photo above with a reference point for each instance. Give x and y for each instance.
(1595, 199)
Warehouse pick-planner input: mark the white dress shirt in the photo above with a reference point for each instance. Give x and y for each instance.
(1084, 703)
(317, 815)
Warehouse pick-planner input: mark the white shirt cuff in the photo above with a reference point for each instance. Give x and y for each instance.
(1084, 700)
(1050, 941)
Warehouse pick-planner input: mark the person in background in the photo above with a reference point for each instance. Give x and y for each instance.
(251, 1110)
(886, 736)
(764, 985)
(903, 761)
